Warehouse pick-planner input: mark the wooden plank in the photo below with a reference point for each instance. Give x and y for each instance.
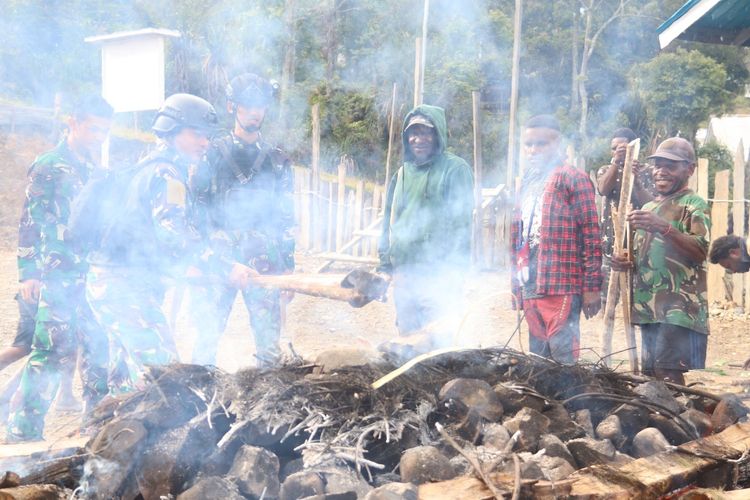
(719, 214)
(341, 204)
(359, 200)
(349, 219)
(738, 218)
(348, 258)
(304, 216)
(702, 176)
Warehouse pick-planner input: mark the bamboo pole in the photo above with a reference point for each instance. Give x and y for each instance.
(613, 291)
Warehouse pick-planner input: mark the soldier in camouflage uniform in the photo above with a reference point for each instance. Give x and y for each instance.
(50, 266)
(153, 242)
(247, 193)
(670, 248)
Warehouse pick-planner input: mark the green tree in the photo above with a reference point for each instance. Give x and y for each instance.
(681, 90)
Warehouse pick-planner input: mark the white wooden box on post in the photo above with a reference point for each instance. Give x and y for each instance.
(132, 71)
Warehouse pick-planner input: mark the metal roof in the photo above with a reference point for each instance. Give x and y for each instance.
(711, 21)
(121, 35)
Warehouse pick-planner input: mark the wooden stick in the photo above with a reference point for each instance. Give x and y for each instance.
(391, 122)
(618, 219)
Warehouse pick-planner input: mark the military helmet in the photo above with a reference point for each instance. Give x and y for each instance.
(251, 90)
(185, 110)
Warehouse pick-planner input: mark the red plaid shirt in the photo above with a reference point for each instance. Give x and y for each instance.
(570, 254)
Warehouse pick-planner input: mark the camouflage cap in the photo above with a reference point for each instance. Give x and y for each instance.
(419, 120)
(675, 148)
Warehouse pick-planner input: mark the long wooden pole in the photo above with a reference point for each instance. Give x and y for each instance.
(511, 161)
(616, 285)
(391, 124)
(417, 71)
(423, 49)
(478, 215)
(316, 238)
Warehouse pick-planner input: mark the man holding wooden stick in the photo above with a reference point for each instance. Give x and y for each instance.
(670, 248)
(556, 245)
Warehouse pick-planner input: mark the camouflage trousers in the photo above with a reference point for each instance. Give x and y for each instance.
(64, 323)
(128, 305)
(210, 307)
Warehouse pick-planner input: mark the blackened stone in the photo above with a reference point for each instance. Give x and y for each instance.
(729, 411)
(495, 436)
(476, 394)
(672, 431)
(583, 419)
(554, 468)
(588, 451)
(699, 420)
(256, 472)
(212, 488)
(657, 392)
(610, 428)
(514, 399)
(561, 424)
(344, 481)
(394, 491)
(532, 425)
(554, 447)
(632, 418)
(424, 464)
(649, 442)
(302, 484)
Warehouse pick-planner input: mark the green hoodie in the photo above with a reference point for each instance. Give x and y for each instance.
(428, 210)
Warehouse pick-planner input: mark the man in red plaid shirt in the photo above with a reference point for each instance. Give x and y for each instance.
(556, 261)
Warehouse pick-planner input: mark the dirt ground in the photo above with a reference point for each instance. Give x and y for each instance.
(313, 325)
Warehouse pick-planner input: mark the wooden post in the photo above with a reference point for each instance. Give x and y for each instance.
(391, 125)
(315, 226)
(615, 282)
(423, 50)
(341, 204)
(738, 218)
(304, 216)
(417, 72)
(376, 198)
(476, 243)
(331, 224)
(702, 176)
(359, 200)
(719, 214)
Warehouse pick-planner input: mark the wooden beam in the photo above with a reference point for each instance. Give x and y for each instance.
(738, 218)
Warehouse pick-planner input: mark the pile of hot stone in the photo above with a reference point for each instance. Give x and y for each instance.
(320, 430)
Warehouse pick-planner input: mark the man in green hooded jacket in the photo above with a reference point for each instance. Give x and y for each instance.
(426, 238)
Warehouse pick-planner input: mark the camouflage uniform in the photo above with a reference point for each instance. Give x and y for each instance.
(246, 195)
(152, 243)
(64, 321)
(666, 288)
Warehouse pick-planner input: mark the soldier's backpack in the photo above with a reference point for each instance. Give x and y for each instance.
(101, 203)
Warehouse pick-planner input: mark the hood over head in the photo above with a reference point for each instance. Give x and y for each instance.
(434, 115)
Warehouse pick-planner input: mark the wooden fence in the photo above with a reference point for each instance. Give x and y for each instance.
(340, 217)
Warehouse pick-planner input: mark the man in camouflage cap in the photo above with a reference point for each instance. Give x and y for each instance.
(669, 284)
(52, 270)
